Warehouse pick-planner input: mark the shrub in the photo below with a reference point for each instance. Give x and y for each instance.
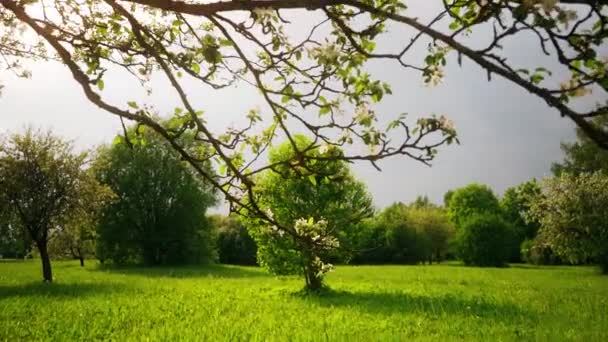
(534, 252)
(485, 240)
(404, 235)
(234, 244)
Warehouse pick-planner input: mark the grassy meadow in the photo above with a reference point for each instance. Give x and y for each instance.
(368, 303)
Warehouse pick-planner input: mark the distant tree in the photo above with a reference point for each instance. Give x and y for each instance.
(515, 204)
(447, 197)
(574, 218)
(14, 241)
(234, 244)
(484, 239)
(316, 205)
(76, 238)
(422, 202)
(434, 223)
(40, 179)
(394, 237)
(584, 155)
(470, 200)
(158, 216)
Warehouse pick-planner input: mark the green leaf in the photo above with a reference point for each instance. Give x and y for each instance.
(118, 140)
(196, 68)
(313, 180)
(133, 104)
(100, 84)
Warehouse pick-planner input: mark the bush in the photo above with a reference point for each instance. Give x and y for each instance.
(234, 244)
(402, 235)
(536, 253)
(485, 240)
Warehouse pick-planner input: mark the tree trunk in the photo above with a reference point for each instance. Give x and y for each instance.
(81, 261)
(47, 273)
(313, 282)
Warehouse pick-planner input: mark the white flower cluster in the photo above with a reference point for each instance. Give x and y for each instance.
(262, 14)
(363, 115)
(446, 124)
(317, 232)
(325, 54)
(322, 267)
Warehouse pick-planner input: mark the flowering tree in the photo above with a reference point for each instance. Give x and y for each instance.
(316, 83)
(319, 205)
(573, 217)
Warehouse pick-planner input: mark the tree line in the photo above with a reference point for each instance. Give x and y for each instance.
(136, 201)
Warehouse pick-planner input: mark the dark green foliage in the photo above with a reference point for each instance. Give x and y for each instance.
(14, 241)
(392, 239)
(584, 155)
(537, 253)
(159, 215)
(234, 244)
(515, 204)
(470, 200)
(403, 234)
(485, 240)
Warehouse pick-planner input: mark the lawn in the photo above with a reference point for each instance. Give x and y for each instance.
(371, 303)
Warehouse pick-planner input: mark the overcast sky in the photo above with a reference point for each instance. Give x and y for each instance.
(508, 136)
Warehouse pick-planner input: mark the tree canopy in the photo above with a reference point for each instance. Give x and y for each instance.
(158, 216)
(470, 200)
(307, 83)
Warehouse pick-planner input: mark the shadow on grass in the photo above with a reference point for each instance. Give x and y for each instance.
(194, 271)
(59, 290)
(388, 303)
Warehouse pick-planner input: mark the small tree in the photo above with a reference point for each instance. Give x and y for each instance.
(316, 206)
(77, 237)
(515, 204)
(40, 180)
(434, 223)
(574, 218)
(484, 240)
(470, 200)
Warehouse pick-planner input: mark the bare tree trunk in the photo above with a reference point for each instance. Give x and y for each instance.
(47, 273)
(81, 261)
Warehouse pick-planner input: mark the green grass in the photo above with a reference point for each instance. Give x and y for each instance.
(379, 303)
